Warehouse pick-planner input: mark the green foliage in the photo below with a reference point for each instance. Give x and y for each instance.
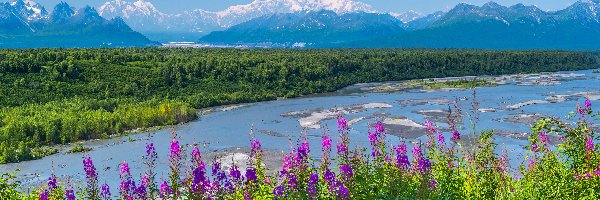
(79, 148)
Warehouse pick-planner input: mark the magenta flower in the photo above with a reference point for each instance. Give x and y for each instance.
(543, 137)
(455, 136)
(278, 191)
(441, 139)
(105, 192)
(125, 169)
(534, 147)
(52, 182)
(88, 167)
(379, 127)
(401, 157)
(255, 145)
(342, 149)
(589, 144)
(326, 142)
(69, 195)
(587, 104)
(235, 173)
(175, 149)
(342, 124)
(165, 190)
(44, 195)
(343, 192)
(346, 170)
(251, 175)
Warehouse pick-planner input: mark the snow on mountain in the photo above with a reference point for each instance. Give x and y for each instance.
(29, 9)
(408, 16)
(143, 16)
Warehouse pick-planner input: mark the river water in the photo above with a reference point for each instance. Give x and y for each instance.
(508, 108)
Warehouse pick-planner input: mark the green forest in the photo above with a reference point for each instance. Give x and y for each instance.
(59, 96)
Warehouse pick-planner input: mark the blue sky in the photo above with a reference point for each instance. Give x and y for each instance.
(422, 6)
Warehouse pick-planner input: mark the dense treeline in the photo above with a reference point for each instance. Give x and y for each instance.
(56, 96)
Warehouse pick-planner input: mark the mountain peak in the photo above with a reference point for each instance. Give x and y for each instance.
(492, 4)
(61, 12)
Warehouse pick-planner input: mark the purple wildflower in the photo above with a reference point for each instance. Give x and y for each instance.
(293, 181)
(543, 137)
(342, 124)
(587, 104)
(346, 170)
(125, 169)
(373, 138)
(379, 127)
(342, 149)
(255, 144)
(589, 144)
(278, 191)
(326, 143)
(303, 150)
(199, 178)
(175, 149)
(534, 147)
(150, 150)
(88, 167)
(44, 195)
(140, 192)
(343, 192)
(105, 192)
(441, 139)
(235, 173)
(69, 195)
(432, 183)
(52, 182)
(251, 175)
(401, 157)
(455, 136)
(329, 176)
(165, 190)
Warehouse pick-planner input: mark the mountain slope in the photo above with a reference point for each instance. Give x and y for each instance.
(64, 27)
(315, 28)
(493, 26)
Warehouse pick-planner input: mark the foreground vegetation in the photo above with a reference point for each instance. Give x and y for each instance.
(58, 96)
(439, 168)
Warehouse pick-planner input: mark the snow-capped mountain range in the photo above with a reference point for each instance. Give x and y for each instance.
(27, 24)
(143, 16)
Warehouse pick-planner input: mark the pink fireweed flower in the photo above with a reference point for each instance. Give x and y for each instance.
(69, 195)
(105, 192)
(379, 127)
(534, 147)
(175, 149)
(430, 127)
(145, 181)
(165, 190)
(373, 138)
(88, 167)
(401, 157)
(255, 145)
(589, 144)
(587, 105)
(441, 139)
(44, 195)
(342, 124)
(342, 149)
(455, 136)
(326, 143)
(543, 137)
(124, 169)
